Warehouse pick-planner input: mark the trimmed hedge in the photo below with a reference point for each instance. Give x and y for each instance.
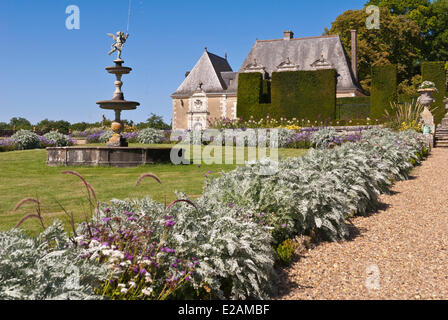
(250, 96)
(383, 90)
(353, 108)
(435, 72)
(304, 94)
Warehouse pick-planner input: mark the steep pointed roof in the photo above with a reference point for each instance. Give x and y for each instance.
(312, 53)
(211, 70)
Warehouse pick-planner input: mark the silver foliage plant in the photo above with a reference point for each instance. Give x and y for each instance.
(46, 267)
(150, 136)
(58, 139)
(105, 137)
(323, 137)
(230, 247)
(319, 191)
(25, 139)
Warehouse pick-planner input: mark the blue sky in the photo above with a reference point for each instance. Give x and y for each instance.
(55, 73)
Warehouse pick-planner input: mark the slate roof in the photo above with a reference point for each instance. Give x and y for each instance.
(217, 76)
(214, 72)
(303, 52)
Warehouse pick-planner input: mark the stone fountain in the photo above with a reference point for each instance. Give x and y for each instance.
(116, 153)
(118, 103)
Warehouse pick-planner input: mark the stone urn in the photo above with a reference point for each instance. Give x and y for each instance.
(426, 98)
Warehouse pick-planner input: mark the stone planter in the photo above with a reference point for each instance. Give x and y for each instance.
(426, 98)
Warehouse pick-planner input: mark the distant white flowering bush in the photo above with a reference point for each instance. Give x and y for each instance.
(45, 268)
(150, 136)
(25, 139)
(58, 139)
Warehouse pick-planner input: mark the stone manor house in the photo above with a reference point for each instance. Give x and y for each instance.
(209, 91)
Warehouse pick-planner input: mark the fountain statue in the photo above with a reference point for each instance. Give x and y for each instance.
(118, 103)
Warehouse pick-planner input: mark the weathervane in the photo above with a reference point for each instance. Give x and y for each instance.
(120, 40)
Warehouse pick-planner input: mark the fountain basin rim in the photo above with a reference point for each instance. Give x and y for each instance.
(118, 104)
(119, 70)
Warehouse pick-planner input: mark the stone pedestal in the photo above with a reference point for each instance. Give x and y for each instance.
(444, 124)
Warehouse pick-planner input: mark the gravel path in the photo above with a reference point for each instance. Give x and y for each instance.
(401, 252)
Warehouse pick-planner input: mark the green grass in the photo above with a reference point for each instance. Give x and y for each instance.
(24, 174)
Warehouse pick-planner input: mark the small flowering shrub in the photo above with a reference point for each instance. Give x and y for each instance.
(94, 137)
(57, 139)
(7, 145)
(25, 139)
(46, 267)
(150, 136)
(131, 136)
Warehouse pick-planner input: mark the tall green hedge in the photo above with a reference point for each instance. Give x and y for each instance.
(383, 90)
(353, 108)
(304, 94)
(435, 72)
(253, 96)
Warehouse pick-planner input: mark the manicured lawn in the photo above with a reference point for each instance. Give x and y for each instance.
(24, 174)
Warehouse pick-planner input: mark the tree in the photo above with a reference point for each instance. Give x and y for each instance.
(400, 7)
(398, 41)
(48, 125)
(432, 18)
(154, 121)
(20, 123)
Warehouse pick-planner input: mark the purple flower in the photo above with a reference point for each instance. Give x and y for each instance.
(170, 223)
(105, 244)
(128, 256)
(107, 219)
(284, 225)
(262, 215)
(168, 217)
(187, 278)
(132, 219)
(107, 210)
(174, 265)
(143, 271)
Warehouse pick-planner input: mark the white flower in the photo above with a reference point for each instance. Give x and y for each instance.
(121, 285)
(124, 290)
(147, 291)
(93, 243)
(132, 284)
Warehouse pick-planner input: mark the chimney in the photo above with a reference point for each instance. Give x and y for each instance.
(288, 35)
(355, 53)
(187, 74)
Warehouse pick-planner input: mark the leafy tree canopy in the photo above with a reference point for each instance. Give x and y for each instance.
(401, 7)
(154, 121)
(20, 123)
(411, 31)
(388, 45)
